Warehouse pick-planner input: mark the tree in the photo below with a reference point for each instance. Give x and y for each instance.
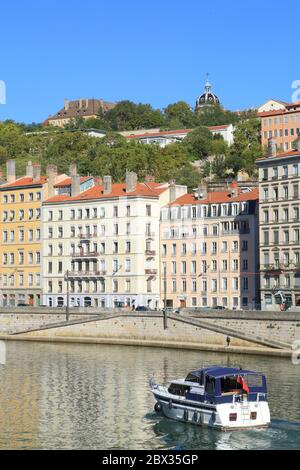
(179, 113)
(246, 148)
(127, 115)
(198, 143)
(215, 116)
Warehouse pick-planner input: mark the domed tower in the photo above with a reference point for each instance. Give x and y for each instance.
(207, 98)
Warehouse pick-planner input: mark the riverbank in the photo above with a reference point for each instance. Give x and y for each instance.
(254, 351)
(238, 333)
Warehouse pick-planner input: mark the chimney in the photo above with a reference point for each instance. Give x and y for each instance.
(73, 169)
(11, 171)
(80, 103)
(67, 104)
(37, 172)
(201, 192)
(107, 185)
(272, 147)
(29, 170)
(87, 103)
(51, 179)
(131, 181)
(75, 186)
(172, 189)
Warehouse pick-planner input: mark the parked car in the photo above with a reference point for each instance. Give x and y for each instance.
(141, 308)
(172, 310)
(22, 304)
(219, 307)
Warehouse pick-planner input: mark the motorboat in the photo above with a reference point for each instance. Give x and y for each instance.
(220, 397)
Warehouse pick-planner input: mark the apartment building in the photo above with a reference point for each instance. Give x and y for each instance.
(101, 245)
(281, 122)
(279, 226)
(209, 249)
(21, 233)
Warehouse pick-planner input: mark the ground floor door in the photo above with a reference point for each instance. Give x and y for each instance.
(182, 303)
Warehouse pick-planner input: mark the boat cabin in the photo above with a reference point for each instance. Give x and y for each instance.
(219, 384)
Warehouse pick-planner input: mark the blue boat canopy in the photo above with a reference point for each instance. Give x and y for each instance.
(221, 371)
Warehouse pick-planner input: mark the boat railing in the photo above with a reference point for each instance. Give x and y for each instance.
(260, 394)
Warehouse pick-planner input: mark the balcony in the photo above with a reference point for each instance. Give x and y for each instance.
(150, 253)
(150, 234)
(81, 254)
(151, 272)
(271, 267)
(87, 236)
(242, 231)
(86, 274)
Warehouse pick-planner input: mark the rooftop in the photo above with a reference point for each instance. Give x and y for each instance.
(291, 153)
(118, 190)
(217, 197)
(175, 132)
(24, 181)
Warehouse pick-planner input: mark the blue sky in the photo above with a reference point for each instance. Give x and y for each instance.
(154, 52)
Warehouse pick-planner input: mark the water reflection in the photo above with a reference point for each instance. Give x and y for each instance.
(97, 397)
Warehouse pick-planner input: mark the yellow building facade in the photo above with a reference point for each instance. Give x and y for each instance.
(21, 234)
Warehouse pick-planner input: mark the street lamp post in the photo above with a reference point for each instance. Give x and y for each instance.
(165, 298)
(68, 297)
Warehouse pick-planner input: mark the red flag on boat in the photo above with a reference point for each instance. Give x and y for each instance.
(240, 380)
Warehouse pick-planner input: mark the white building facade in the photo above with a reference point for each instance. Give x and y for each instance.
(102, 245)
(279, 217)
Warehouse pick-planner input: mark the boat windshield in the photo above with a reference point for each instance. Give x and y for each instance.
(230, 385)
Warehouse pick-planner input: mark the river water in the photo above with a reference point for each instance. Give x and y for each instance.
(69, 396)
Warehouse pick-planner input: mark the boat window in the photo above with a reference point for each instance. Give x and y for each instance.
(195, 378)
(178, 389)
(254, 380)
(192, 378)
(230, 385)
(210, 386)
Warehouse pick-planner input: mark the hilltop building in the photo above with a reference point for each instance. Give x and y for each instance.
(82, 108)
(164, 138)
(208, 98)
(280, 121)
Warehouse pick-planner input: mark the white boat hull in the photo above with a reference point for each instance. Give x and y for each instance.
(248, 414)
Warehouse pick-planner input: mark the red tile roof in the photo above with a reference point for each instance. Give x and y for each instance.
(24, 181)
(118, 190)
(179, 131)
(216, 197)
(281, 112)
(68, 181)
(291, 153)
